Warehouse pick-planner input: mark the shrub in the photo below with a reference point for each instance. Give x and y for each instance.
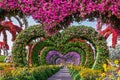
(2, 58)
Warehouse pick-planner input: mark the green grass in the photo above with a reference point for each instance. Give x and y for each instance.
(2, 58)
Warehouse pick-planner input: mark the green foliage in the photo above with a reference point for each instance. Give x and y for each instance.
(2, 58)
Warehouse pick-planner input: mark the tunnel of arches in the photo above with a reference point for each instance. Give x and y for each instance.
(76, 45)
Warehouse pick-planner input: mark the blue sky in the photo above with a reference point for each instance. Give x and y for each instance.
(32, 22)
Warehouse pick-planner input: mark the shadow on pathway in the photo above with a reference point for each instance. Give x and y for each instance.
(63, 74)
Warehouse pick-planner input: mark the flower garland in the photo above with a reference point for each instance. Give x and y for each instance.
(53, 12)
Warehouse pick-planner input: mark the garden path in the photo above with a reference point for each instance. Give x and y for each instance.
(63, 74)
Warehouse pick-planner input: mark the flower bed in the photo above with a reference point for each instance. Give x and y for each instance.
(35, 73)
(4, 67)
(111, 72)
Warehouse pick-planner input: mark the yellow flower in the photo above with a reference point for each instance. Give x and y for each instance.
(105, 67)
(103, 74)
(12, 71)
(30, 65)
(108, 61)
(111, 77)
(98, 79)
(118, 78)
(19, 72)
(116, 62)
(31, 70)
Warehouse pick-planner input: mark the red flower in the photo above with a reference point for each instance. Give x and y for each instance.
(74, 40)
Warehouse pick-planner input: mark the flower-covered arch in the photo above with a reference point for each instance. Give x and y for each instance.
(63, 48)
(58, 14)
(62, 42)
(46, 52)
(92, 36)
(19, 52)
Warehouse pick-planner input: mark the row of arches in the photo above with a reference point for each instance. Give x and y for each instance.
(73, 39)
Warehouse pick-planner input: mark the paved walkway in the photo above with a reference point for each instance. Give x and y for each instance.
(63, 74)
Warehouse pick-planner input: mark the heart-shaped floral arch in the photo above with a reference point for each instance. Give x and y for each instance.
(62, 42)
(55, 57)
(84, 47)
